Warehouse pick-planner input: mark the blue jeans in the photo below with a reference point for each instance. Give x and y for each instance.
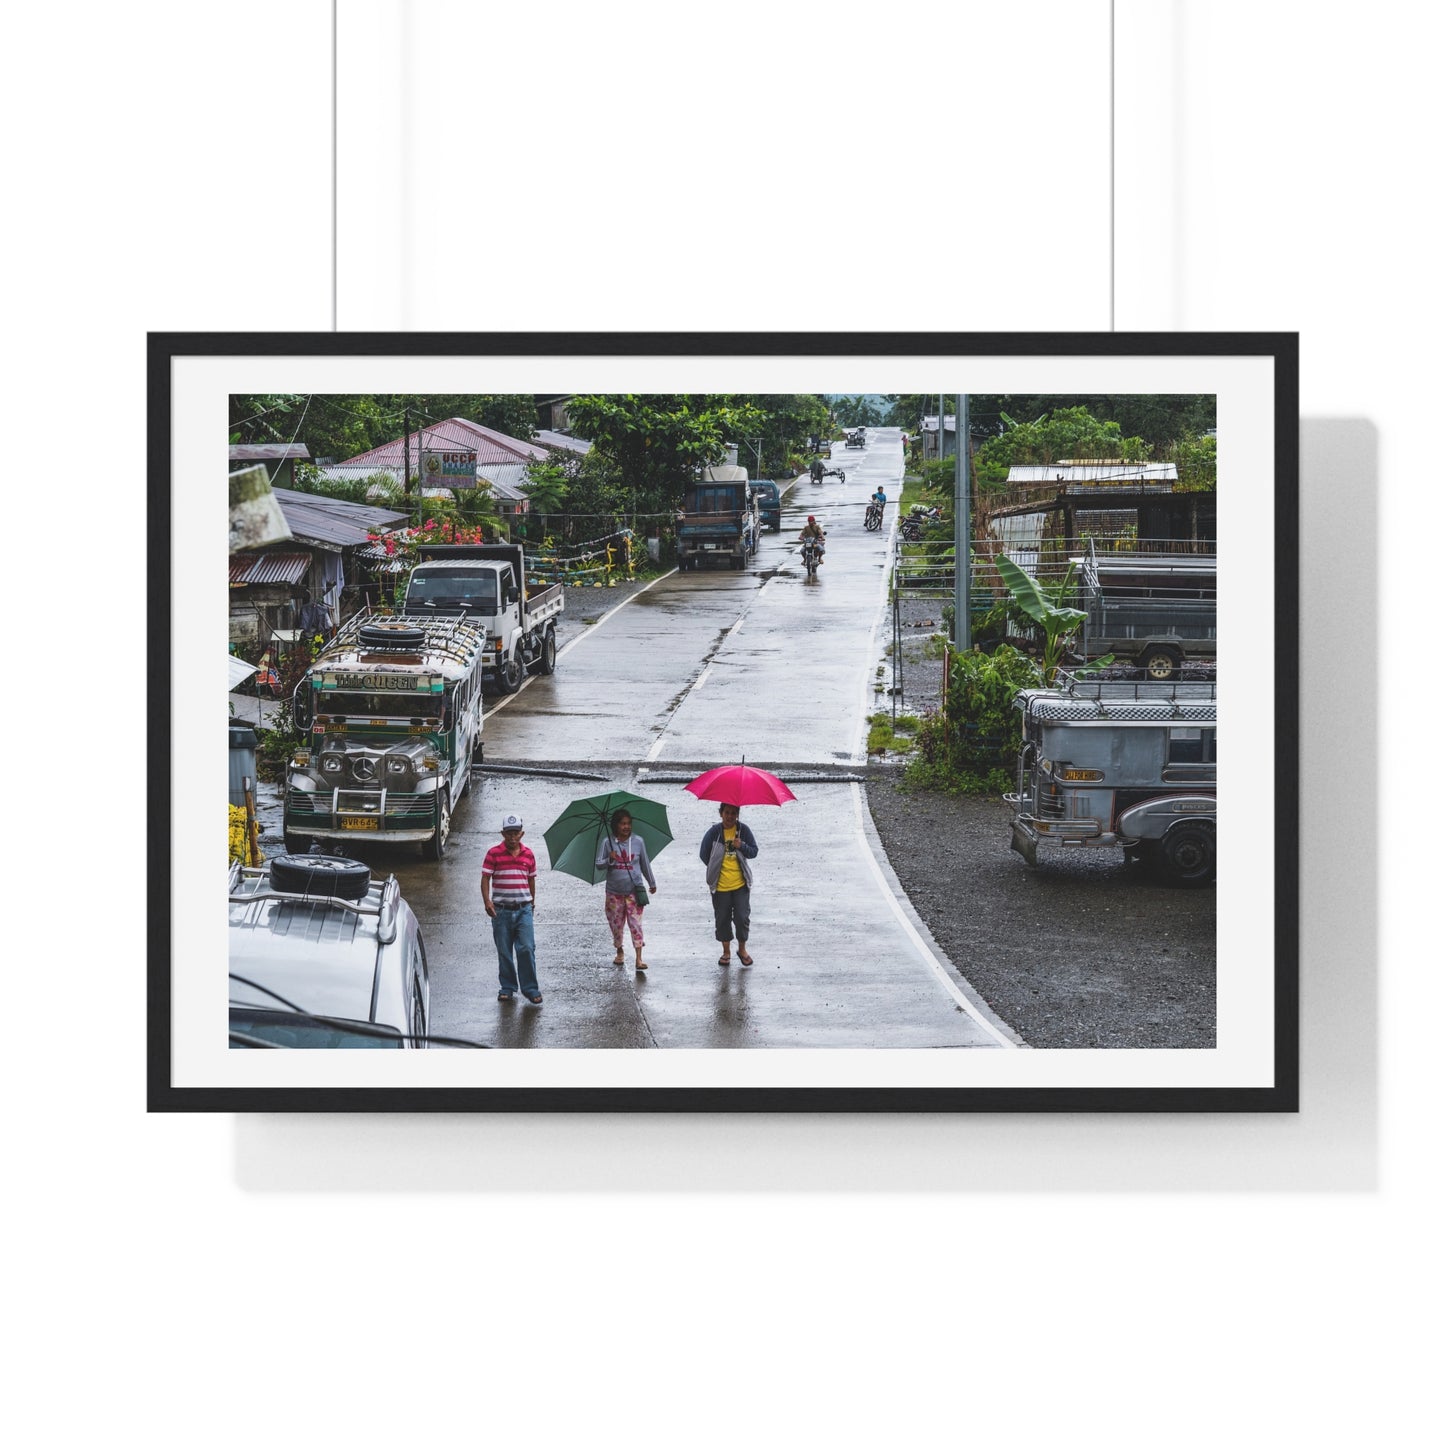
(512, 930)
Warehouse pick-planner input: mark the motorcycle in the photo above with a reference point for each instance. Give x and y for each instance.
(917, 521)
(812, 552)
(873, 517)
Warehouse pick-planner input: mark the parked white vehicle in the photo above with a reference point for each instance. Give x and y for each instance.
(486, 584)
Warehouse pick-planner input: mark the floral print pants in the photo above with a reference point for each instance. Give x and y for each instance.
(622, 907)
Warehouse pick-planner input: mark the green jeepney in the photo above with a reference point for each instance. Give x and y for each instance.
(393, 709)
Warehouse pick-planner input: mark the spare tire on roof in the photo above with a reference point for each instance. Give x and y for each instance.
(405, 636)
(319, 875)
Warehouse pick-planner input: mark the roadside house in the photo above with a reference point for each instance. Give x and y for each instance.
(312, 583)
(501, 461)
(279, 459)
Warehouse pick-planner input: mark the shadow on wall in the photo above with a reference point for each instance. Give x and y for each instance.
(1330, 1146)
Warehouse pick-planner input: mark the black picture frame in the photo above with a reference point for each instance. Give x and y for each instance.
(166, 350)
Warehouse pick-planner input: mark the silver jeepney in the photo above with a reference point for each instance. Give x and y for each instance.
(1120, 764)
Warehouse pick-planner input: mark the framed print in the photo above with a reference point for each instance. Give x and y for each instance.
(671, 739)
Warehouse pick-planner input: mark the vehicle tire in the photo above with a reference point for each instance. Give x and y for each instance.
(547, 663)
(1160, 663)
(404, 635)
(435, 847)
(842, 477)
(318, 875)
(1187, 854)
(511, 674)
(294, 842)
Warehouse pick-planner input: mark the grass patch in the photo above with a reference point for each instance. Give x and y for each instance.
(889, 735)
(935, 645)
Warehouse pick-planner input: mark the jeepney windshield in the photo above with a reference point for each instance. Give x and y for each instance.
(452, 590)
(380, 704)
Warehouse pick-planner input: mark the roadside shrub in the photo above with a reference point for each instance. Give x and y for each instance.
(973, 742)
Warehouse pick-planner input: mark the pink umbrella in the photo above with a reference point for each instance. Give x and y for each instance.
(741, 785)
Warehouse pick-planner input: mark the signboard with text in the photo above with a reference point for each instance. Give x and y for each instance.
(448, 469)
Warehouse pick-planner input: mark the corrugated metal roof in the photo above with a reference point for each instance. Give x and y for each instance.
(262, 569)
(1121, 472)
(561, 442)
(458, 434)
(330, 522)
(504, 480)
(270, 452)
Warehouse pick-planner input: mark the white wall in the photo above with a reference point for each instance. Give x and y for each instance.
(1034, 1278)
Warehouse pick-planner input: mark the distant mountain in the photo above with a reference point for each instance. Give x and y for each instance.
(881, 402)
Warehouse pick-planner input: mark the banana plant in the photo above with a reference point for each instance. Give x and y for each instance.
(1045, 606)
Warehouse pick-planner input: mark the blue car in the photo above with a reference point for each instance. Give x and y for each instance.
(770, 505)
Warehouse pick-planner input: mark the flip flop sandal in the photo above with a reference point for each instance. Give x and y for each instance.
(619, 960)
(505, 997)
(746, 959)
(640, 967)
(533, 997)
(724, 961)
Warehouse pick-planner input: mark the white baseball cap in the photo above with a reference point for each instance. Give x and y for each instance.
(511, 821)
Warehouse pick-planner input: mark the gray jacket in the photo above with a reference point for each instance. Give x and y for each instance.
(713, 851)
(626, 863)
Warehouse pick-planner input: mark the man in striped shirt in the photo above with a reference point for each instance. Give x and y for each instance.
(509, 894)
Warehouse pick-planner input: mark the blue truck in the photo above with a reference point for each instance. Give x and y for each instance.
(718, 522)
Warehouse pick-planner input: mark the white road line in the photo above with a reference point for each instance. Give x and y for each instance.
(861, 732)
(924, 952)
(701, 677)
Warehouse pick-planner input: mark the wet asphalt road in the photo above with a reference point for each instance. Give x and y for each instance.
(698, 669)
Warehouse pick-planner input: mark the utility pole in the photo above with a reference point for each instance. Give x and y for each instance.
(962, 525)
(406, 452)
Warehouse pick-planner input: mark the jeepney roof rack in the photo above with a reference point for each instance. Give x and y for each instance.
(1077, 699)
(1104, 689)
(455, 637)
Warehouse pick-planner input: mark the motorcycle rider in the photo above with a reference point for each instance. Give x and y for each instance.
(814, 533)
(878, 501)
(815, 471)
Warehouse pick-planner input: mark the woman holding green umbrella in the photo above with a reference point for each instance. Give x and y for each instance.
(613, 836)
(624, 856)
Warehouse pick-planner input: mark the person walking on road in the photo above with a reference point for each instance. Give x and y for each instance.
(625, 859)
(727, 848)
(509, 894)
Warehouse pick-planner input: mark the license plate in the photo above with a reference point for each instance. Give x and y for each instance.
(359, 825)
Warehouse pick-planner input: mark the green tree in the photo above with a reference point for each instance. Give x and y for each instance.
(1157, 418)
(658, 442)
(1195, 458)
(789, 420)
(1071, 434)
(854, 411)
(1045, 606)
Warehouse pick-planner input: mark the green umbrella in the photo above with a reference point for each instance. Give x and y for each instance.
(574, 839)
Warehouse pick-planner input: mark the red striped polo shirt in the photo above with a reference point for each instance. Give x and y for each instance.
(509, 875)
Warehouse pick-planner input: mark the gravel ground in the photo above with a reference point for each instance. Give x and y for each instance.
(1082, 952)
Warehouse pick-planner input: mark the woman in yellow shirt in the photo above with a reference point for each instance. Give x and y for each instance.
(727, 849)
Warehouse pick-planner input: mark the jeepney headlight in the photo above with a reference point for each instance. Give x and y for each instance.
(331, 764)
(397, 765)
